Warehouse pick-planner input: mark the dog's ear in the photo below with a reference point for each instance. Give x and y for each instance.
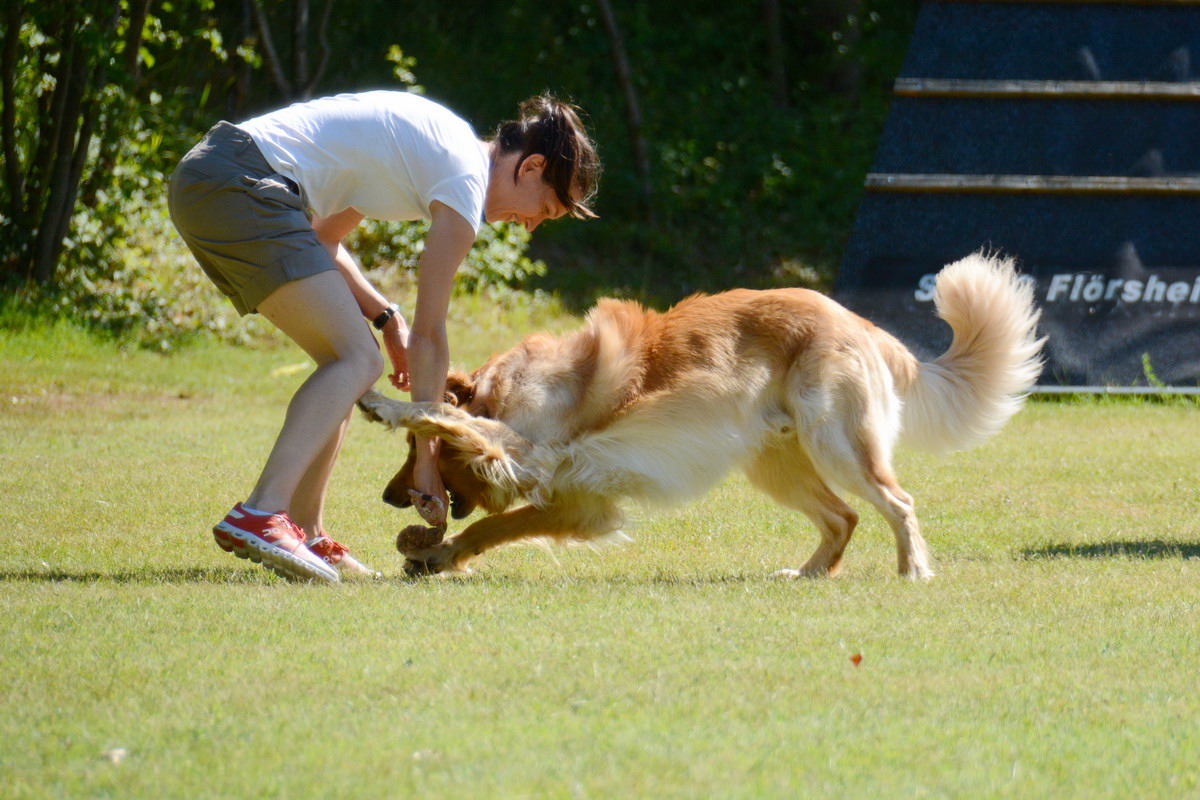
(496, 453)
(469, 435)
(460, 389)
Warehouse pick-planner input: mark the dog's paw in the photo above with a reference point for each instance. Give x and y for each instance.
(426, 552)
(425, 569)
(795, 574)
(800, 574)
(918, 572)
(371, 405)
(438, 561)
(419, 543)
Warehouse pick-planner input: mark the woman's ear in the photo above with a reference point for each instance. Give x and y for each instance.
(532, 165)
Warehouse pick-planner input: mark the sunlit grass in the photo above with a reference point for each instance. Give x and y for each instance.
(1054, 654)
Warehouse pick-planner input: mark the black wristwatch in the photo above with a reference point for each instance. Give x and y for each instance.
(385, 315)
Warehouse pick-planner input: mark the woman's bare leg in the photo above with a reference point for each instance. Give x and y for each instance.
(308, 503)
(320, 315)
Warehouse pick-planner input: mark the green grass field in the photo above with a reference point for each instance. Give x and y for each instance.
(1057, 652)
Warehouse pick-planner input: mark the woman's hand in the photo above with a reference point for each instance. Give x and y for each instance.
(429, 497)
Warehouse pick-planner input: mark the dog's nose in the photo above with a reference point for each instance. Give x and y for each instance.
(399, 499)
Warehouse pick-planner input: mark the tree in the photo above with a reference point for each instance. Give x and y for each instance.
(303, 81)
(93, 92)
(72, 46)
(59, 57)
(633, 113)
(776, 54)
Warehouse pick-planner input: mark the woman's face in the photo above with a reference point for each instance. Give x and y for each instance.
(525, 199)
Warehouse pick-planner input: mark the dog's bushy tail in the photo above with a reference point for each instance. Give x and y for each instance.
(968, 393)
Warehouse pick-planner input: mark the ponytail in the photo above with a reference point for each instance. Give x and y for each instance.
(552, 129)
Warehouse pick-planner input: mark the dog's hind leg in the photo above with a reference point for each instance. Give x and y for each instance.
(896, 506)
(858, 462)
(847, 428)
(787, 475)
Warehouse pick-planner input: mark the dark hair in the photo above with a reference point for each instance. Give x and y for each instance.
(551, 128)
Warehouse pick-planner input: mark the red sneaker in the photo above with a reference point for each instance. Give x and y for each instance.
(275, 541)
(338, 556)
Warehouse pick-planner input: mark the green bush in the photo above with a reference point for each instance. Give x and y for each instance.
(744, 189)
(746, 186)
(497, 260)
(157, 297)
(125, 272)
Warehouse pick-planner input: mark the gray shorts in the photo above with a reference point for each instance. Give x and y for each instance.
(243, 221)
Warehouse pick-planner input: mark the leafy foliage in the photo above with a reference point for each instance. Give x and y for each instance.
(122, 268)
(497, 260)
(745, 190)
(751, 181)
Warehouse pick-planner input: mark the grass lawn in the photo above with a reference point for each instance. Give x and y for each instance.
(1057, 653)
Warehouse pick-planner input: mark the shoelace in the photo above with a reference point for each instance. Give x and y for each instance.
(335, 548)
(277, 523)
(285, 523)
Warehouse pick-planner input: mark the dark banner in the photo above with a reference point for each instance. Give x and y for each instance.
(1066, 135)
(1128, 325)
(1118, 276)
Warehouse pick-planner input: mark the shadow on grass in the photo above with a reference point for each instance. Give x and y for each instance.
(685, 580)
(139, 576)
(232, 576)
(1151, 549)
(482, 577)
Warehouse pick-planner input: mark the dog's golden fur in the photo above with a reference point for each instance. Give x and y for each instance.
(805, 396)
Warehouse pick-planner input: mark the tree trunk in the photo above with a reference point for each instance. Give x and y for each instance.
(138, 10)
(236, 100)
(270, 54)
(846, 74)
(14, 179)
(51, 110)
(326, 50)
(303, 81)
(75, 122)
(637, 138)
(109, 145)
(300, 48)
(776, 68)
(68, 101)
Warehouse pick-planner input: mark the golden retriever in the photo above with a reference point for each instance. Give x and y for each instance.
(803, 395)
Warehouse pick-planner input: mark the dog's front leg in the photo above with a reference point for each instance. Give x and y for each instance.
(580, 521)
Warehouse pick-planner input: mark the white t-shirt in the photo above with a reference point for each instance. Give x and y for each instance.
(386, 154)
